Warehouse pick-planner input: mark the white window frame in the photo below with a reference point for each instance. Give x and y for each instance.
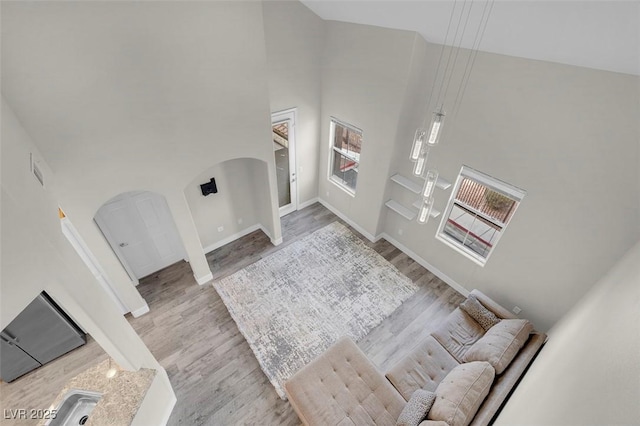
(351, 156)
(492, 183)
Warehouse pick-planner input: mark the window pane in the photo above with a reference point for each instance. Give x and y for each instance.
(471, 230)
(345, 169)
(486, 201)
(348, 140)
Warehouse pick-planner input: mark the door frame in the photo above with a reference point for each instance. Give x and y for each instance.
(289, 115)
(129, 200)
(92, 263)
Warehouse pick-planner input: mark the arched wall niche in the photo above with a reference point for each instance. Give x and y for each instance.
(243, 203)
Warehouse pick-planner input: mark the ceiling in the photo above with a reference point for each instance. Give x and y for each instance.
(595, 34)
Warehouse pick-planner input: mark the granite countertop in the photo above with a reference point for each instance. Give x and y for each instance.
(121, 394)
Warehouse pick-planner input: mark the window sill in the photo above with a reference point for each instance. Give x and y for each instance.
(342, 185)
(466, 253)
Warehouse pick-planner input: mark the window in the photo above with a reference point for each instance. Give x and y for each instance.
(478, 212)
(344, 158)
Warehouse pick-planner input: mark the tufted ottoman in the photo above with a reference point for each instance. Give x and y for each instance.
(342, 387)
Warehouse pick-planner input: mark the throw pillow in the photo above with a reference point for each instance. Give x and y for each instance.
(460, 394)
(417, 408)
(478, 312)
(501, 343)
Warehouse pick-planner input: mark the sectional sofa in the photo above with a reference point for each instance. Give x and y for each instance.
(469, 365)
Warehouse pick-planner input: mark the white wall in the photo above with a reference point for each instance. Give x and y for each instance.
(568, 136)
(236, 200)
(36, 256)
(149, 96)
(294, 38)
(365, 71)
(588, 372)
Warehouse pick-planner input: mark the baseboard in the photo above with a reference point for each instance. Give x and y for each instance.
(308, 203)
(140, 311)
(435, 271)
(275, 242)
(349, 221)
(168, 410)
(231, 238)
(204, 279)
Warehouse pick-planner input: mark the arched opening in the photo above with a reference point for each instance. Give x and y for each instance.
(241, 205)
(140, 229)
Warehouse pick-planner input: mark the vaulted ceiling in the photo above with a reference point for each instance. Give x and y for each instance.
(595, 34)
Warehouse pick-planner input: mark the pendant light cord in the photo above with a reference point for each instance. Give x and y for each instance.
(435, 79)
(443, 94)
(471, 59)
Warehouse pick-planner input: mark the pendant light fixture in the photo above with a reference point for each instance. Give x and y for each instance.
(425, 139)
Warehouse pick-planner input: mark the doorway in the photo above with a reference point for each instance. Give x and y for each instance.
(283, 135)
(76, 241)
(140, 230)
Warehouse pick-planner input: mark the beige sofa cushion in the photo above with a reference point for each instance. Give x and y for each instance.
(424, 368)
(457, 333)
(417, 408)
(461, 393)
(501, 343)
(342, 387)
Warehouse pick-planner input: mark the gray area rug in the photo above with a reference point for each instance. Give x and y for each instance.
(294, 304)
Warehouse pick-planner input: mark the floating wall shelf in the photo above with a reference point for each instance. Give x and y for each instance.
(417, 187)
(408, 213)
(407, 183)
(434, 212)
(401, 210)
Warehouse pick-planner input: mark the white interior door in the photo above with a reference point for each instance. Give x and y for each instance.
(141, 231)
(284, 141)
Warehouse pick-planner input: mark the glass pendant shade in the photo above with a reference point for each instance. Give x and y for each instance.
(429, 183)
(419, 141)
(436, 128)
(425, 211)
(418, 166)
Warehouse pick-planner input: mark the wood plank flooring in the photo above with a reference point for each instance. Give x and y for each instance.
(214, 373)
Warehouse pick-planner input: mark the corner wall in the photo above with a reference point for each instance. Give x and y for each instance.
(36, 256)
(588, 372)
(154, 93)
(236, 181)
(294, 38)
(365, 71)
(569, 137)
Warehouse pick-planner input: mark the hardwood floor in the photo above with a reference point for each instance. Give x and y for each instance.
(214, 373)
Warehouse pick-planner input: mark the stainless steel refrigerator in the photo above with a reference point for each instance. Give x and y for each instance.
(39, 334)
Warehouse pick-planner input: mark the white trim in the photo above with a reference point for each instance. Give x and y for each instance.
(230, 238)
(469, 254)
(435, 271)
(266, 232)
(349, 221)
(275, 242)
(496, 184)
(168, 409)
(307, 203)
(332, 134)
(91, 262)
(290, 115)
(140, 311)
(492, 183)
(204, 279)
(341, 184)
